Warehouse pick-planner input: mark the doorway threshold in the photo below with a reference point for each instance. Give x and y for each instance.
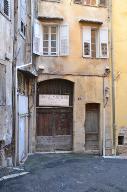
(52, 152)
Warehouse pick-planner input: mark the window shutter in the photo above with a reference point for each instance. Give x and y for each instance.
(103, 42)
(2, 84)
(37, 38)
(64, 40)
(86, 41)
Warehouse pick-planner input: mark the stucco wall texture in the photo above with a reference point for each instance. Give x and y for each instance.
(119, 55)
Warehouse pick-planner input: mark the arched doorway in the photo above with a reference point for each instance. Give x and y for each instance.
(54, 115)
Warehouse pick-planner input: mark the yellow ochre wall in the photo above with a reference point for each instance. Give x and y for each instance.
(119, 21)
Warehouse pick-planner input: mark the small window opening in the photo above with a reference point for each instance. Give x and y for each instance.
(120, 140)
(23, 28)
(6, 7)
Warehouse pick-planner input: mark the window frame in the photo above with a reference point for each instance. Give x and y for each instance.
(23, 33)
(97, 4)
(98, 42)
(62, 40)
(49, 40)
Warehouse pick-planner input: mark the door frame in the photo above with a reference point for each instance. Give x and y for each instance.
(99, 132)
(37, 106)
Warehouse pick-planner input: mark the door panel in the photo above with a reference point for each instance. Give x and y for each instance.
(54, 129)
(92, 127)
(54, 123)
(23, 127)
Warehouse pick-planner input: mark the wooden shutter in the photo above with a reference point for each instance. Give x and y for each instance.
(37, 38)
(86, 41)
(2, 84)
(103, 42)
(64, 40)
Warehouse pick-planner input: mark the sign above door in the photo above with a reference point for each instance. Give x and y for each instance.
(54, 100)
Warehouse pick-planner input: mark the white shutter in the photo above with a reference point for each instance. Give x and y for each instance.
(64, 40)
(87, 41)
(104, 42)
(37, 38)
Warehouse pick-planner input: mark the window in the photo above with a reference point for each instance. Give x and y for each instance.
(50, 40)
(102, 2)
(86, 2)
(103, 42)
(95, 42)
(23, 17)
(78, 1)
(91, 2)
(120, 140)
(104, 49)
(5, 7)
(23, 29)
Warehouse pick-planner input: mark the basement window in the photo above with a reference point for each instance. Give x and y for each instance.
(120, 140)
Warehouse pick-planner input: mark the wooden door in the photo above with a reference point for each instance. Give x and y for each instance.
(54, 123)
(54, 129)
(92, 127)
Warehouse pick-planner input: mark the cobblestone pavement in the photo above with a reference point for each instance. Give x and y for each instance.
(69, 173)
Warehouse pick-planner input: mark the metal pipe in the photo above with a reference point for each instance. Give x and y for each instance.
(103, 117)
(25, 65)
(113, 83)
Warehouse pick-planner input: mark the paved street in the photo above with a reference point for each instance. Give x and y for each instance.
(69, 173)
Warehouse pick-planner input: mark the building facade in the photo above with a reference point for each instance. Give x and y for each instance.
(71, 48)
(119, 31)
(24, 79)
(6, 59)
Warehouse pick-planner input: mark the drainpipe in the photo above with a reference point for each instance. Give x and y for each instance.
(103, 118)
(113, 83)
